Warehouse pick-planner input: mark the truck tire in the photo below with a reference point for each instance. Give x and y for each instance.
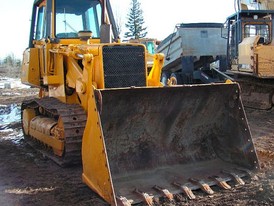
(176, 79)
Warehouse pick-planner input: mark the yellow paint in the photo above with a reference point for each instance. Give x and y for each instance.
(96, 173)
(47, 139)
(28, 115)
(155, 73)
(53, 79)
(265, 61)
(30, 68)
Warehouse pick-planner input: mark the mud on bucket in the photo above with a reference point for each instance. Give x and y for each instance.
(183, 134)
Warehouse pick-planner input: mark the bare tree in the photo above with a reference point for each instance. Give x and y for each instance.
(10, 66)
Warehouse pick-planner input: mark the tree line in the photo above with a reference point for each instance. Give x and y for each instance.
(10, 60)
(10, 66)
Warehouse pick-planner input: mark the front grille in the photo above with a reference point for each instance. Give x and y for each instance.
(124, 66)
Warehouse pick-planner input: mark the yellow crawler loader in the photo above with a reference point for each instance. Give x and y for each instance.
(98, 106)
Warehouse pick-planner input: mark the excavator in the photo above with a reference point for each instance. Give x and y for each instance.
(100, 108)
(250, 51)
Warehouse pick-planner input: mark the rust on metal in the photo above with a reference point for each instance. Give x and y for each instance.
(221, 182)
(164, 191)
(246, 171)
(58, 132)
(187, 191)
(147, 198)
(124, 201)
(235, 177)
(203, 185)
(99, 100)
(43, 124)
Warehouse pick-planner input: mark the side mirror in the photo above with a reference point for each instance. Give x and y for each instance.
(224, 31)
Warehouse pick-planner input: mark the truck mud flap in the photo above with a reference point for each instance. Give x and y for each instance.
(165, 141)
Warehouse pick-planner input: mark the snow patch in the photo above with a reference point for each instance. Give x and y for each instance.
(11, 83)
(9, 113)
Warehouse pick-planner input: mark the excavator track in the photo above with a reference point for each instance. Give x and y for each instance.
(73, 119)
(257, 93)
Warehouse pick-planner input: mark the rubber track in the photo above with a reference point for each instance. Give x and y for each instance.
(74, 121)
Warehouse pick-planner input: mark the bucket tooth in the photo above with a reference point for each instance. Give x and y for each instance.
(204, 186)
(221, 182)
(164, 191)
(124, 201)
(147, 198)
(236, 177)
(187, 191)
(248, 172)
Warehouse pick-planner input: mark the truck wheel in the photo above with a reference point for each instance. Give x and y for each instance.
(164, 78)
(176, 79)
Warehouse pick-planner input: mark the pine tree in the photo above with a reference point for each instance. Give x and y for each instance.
(135, 22)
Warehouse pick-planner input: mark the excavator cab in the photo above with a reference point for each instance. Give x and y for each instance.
(98, 105)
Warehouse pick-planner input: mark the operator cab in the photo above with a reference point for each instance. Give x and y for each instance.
(81, 19)
(83, 16)
(247, 24)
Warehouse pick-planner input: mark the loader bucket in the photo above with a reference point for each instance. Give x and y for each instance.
(159, 141)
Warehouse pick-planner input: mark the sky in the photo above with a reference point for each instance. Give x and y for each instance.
(160, 18)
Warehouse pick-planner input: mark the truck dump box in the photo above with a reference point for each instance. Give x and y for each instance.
(163, 141)
(195, 40)
(190, 50)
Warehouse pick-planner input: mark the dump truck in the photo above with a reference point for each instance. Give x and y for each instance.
(189, 52)
(98, 107)
(250, 51)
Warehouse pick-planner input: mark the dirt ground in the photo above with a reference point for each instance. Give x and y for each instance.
(28, 178)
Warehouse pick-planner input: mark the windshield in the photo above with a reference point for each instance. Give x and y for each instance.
(150, 47)
(74, 16)
(40, 18)
(257, 29)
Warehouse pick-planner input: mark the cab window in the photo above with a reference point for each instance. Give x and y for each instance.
(71, 17)
(40, 22)
(257, 29)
